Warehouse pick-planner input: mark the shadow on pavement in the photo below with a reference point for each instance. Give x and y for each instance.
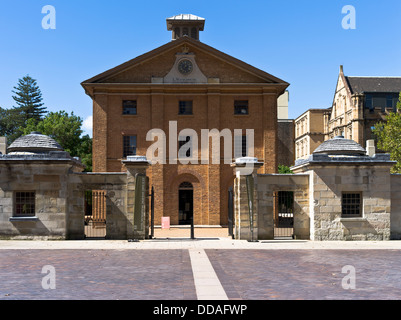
(182, 239)
(284, 241)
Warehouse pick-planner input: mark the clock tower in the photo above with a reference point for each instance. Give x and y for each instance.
(185, 84)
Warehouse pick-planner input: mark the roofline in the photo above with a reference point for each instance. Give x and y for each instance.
(363, 92)
(218, 54)
(312, 109)
(346, 85)
(379, 77)
(311, 163)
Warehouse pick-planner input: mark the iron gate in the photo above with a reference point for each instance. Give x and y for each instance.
(95, 214)
(284, 214)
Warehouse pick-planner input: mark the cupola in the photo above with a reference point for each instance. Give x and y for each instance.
(185, 25)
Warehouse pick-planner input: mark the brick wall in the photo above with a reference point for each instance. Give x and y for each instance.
(213, 108)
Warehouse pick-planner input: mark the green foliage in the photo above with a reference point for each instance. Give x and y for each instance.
(30, 115)
(29, 106)
(388, 135)
(66, 130)
(85, 152)
(9, 124)
(282, 169)
(29, 99)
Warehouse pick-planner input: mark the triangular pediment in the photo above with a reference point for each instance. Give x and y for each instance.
(342, 91)
(213, 65)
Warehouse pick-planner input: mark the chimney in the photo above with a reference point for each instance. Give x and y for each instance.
(3, 145)
(370, 148)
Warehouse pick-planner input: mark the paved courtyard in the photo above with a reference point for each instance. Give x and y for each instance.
(201, 269)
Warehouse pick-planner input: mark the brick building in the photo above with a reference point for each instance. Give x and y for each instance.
(190, 85)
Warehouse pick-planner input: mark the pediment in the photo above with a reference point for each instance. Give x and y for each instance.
(161, 66)
(342, 96)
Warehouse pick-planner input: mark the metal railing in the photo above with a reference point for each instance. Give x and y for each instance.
(284, 214)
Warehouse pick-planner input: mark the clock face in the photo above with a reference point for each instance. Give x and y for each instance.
(185, 66)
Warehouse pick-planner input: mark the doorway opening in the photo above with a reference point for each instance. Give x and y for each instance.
(284, 215)
(186, 203)
(95, 214)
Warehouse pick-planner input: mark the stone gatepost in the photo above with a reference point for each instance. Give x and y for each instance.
(137, 197)
(3, 145)
(246, 198)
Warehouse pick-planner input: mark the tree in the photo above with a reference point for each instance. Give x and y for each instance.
(85, 152)
(29, 99)
(388, 135)
(9, 123)
(282, 169)
(29, 106)
(66, 130)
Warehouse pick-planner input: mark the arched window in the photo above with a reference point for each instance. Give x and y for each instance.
(185, 32)
(186, 186)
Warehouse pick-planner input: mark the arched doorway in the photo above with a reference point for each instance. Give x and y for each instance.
(186, 203)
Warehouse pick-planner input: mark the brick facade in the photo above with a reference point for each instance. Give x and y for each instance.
(229, 79)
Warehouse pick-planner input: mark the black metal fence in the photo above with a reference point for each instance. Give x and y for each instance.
(284, 214)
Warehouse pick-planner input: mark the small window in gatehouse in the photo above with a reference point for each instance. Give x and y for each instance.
(25, 204)
(351, 204)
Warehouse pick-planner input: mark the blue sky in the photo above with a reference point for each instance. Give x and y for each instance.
(301, 42)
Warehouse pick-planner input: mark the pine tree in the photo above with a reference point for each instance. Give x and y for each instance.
(29, 99)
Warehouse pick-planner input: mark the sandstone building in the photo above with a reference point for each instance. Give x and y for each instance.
(309, 132)
(358, 104)
(285, 133)
(43, 195)
(340, 192)
(193, 86)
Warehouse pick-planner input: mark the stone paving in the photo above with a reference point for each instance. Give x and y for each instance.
(97, 274)
(167, 274)
(165, 269)
(307, 274)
